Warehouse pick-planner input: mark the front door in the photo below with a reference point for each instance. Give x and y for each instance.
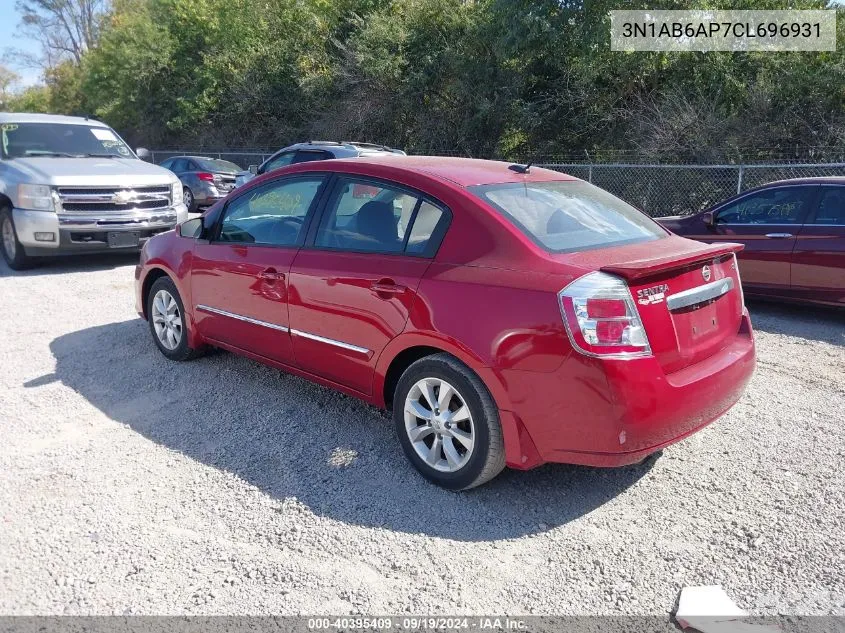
(351, 292)
(767, 223)
(818, 260)
(239, 276)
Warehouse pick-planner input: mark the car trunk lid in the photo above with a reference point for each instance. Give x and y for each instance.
(688, 294)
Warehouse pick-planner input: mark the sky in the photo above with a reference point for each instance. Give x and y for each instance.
(9, 21)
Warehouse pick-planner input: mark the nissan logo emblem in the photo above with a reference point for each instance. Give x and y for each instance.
(705, 272)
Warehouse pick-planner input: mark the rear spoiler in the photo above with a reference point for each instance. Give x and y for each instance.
(645, 267)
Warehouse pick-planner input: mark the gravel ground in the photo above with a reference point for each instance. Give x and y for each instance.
(134, 485)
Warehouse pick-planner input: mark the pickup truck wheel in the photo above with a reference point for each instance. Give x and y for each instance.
(166, 316)
(12, 249)
(188, 199)
(448, 423)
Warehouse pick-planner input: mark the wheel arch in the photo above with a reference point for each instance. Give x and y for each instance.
(5, 202)
(153, 274)
(406, 349)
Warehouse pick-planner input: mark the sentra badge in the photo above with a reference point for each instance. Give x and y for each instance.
(655, 294)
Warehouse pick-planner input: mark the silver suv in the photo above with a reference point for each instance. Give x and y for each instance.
(314, 150)
(72, 185)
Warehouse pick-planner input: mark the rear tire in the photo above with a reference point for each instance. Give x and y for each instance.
(168, 325)
(448, 424)
(188, 199)
(10, 246)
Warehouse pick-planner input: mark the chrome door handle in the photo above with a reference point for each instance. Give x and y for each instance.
(779, 236)
(387, 287)
(271, 274)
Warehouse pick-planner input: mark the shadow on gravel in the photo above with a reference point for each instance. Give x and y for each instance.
(292, 438)
(826, 325)
(76, 264)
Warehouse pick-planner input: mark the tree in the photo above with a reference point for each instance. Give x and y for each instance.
(65, 28)
(8, 79)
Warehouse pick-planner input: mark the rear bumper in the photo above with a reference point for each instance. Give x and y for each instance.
(60, 234)
(206, 195)
(614, 413)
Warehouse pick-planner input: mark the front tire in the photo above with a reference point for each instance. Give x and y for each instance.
(448, 424)
(166, 318)
(10, 246)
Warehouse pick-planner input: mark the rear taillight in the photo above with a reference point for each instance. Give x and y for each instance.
(735, 266)
(601, 318)
(204, 175)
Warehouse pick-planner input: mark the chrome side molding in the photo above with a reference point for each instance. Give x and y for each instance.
(707, 292)
(282, 328)
(331, 341)
(240, 317)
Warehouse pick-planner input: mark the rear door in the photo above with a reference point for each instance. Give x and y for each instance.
(818, 260)
(767, 223)
(352, 286)
(239, 277)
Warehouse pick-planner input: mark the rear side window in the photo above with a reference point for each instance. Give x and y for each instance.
(569, 216)
(308, 156)
(831, 207)
(374, 218)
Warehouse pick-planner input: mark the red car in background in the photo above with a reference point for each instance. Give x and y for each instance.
(794, 237)
(507, 315)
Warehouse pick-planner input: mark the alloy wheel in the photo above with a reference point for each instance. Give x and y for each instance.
(439, 424)
(9, 244)
(187, 197)
(167, 320)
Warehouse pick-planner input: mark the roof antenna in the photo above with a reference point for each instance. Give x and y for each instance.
(521, 169)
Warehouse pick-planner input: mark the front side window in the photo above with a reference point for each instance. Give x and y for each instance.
(569, 216)
(831, 207)
(772, 206)
(272, 215)
(25, 140)
(282, 160)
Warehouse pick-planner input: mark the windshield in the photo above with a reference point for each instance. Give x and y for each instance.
(60, 139)
(215, 164)
(569, 216)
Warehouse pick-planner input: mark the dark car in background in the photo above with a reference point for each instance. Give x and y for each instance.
(315, 150)
(794, 237)
(204, 180)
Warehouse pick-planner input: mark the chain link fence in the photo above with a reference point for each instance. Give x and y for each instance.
(658, 189)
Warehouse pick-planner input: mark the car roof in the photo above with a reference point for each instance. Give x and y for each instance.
(28, 117)
(815, 180)
(342, 148)
(465, 172)
(194, 157)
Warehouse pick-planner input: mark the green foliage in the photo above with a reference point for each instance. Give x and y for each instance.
(481, 78)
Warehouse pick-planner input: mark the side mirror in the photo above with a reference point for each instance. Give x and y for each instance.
(253, 169)
(708, 218)
(191, 228)
(143, 153)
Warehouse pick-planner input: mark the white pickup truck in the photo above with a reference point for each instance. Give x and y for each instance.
(72, 185)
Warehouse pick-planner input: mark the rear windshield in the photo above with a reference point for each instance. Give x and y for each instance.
(215, 164)
(569, 216)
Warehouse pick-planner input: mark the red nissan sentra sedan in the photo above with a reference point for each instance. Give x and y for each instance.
(507, 315)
